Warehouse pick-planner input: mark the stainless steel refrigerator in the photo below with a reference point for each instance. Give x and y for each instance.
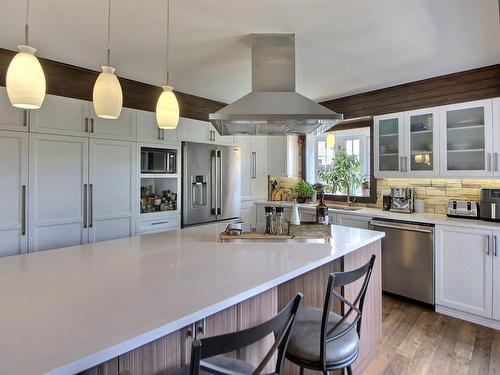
(211, 183)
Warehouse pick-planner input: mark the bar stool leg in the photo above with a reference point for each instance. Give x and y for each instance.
(349, 370)
(302, 371)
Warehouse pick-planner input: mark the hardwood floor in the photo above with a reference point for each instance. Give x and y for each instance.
(417, 340)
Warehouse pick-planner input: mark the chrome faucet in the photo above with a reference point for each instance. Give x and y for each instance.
(350, 200)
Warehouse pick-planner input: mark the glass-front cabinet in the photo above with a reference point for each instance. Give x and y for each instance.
(467, 139)
(389, 145)
(421, 140)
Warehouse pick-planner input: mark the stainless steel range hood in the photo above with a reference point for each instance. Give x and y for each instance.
(273, 107)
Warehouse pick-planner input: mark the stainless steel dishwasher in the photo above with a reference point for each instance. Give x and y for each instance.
(407, 258)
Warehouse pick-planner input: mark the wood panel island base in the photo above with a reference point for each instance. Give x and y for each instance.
(172, 351)
(136, 303)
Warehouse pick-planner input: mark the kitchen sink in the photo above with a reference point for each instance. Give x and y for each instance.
(345, 208)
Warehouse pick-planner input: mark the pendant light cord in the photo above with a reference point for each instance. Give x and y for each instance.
(109, 33)
(168, 39)
(26, 27)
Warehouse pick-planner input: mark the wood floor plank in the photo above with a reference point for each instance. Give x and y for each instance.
(418, 341)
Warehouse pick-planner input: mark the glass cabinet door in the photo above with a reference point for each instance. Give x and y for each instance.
(388, 145)
(421, 142)
(467, 132)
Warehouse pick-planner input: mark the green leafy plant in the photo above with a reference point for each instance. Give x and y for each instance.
(303, 189)
(345, 168)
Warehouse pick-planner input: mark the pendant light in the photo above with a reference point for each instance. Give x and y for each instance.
(107, 95)
(167, 107)
(25, 80)
(330, 140)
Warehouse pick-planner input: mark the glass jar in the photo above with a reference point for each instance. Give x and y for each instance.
(280, 221)
(269, 220)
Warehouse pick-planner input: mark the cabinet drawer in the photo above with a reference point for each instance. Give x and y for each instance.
(159, 225)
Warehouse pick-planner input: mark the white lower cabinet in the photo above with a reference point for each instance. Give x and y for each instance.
(464, 269)
(352, 221)
(158, 223)
(496, 275)
(58, 171)
(112, 166)
(247, 213)
(13, 190)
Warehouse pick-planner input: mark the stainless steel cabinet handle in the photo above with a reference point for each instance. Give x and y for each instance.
(85, 206)
(162, 134)
(495, 245)
(86, 124)
(25, 118)
(158, 135)
(91, 204)
(160, 222)
(374, 224)
(488, 245)
(23, 208)
(406, 163)
(488, 162)
(219, 201)
(91, 125)
(495, 161)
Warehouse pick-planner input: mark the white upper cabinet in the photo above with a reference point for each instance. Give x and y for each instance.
(121, 129)
(58, 191)
(63, 116)
(13, 192)
(148, 131)
(421, 142)
(389, 145)
(11, 118)
(467, 139)
(202, 132)
(464, 269)
(283, 156)
(112, 181)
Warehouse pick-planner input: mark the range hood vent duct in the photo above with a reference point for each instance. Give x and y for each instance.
(273, 107)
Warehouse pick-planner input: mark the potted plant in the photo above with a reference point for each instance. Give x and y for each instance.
(345, 174)
(303, 190)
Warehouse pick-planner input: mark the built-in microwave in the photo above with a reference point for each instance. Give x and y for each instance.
(158, 160)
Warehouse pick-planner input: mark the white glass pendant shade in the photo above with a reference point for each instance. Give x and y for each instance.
(107, 95)
(167, 109)
(25, 80)
(330, 140)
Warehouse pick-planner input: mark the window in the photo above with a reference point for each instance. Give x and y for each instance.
(320, 159)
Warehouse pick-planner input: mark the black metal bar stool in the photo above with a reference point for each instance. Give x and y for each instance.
(206, 358)
(322, 340)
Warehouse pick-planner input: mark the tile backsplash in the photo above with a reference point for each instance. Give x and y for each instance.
(436, 192)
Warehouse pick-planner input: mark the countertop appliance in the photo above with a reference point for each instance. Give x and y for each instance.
(158, 160)
(273, 106)
(489, 205)
(464, 209)
(407, 259)
(402, 200)
(211, 183)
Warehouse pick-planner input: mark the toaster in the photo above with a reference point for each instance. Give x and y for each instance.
(490, 204)
(466, 209)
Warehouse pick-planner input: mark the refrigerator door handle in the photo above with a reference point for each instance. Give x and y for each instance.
(213, 183)
(219, 183)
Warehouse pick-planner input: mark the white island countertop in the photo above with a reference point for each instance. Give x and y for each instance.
(69, 309)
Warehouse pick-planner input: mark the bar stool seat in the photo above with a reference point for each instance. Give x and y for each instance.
(233, 365)
(306, 335)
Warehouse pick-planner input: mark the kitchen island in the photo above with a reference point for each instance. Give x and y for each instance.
(135, 303)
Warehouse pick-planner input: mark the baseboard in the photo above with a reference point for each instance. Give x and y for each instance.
(491, 323)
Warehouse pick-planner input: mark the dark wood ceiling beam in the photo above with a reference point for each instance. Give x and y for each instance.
(75, 82)
(475, 84)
